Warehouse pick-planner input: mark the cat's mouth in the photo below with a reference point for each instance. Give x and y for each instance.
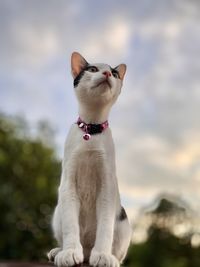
(104, 82)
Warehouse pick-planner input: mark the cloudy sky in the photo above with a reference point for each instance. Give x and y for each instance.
(155, 123)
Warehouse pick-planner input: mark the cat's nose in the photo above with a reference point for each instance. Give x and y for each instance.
(107, 73)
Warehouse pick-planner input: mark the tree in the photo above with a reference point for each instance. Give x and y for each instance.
(162, 248)
(29, 176)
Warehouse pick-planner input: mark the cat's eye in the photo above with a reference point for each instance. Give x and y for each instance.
(92, 69)
(115, 74)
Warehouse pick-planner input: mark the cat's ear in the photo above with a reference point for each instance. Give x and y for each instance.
(78, 63)
(121, 70)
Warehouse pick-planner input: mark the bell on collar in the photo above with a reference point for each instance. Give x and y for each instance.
(86, 136)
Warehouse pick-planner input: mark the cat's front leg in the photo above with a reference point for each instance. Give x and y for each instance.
(72, 252)
(101, 254)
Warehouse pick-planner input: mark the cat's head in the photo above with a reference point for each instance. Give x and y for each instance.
(96, 84)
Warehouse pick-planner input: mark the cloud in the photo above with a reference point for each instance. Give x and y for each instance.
(36, 47)
(112, 40)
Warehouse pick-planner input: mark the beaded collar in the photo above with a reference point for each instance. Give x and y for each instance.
(91, 129)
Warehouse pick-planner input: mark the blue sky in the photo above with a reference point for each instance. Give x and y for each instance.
(155, 122)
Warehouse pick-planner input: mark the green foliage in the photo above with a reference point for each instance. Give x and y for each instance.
(162, 249)
(29, 175)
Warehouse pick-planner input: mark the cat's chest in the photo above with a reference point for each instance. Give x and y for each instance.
(89, 171)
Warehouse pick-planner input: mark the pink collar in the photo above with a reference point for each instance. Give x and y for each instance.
(91, 129)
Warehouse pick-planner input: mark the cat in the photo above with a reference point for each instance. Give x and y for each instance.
(89, 222)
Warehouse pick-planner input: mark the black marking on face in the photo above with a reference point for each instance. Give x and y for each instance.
(115, 72)
(122, 216)
(80, 75)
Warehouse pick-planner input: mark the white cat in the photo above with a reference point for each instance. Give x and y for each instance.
(89, 222)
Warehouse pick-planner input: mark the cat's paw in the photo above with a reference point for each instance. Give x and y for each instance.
(100, 259)
(69, 257)
(52, 253)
